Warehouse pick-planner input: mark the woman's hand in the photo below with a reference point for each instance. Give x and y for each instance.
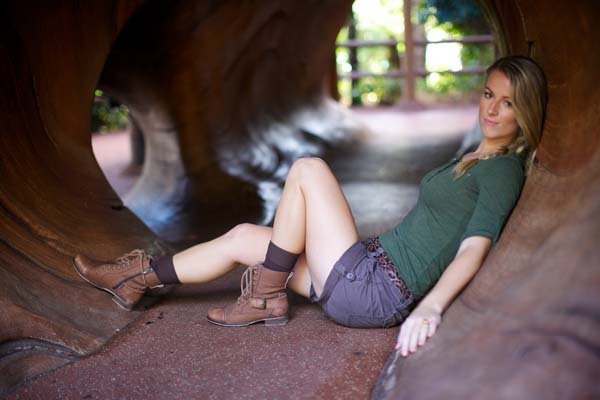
(420, 325)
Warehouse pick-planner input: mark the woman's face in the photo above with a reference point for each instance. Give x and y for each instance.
(496, 113)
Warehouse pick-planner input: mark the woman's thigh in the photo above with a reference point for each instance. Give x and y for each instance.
(330, 226)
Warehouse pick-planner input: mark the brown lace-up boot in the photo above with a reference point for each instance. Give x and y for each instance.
(263, 299)
(127, 278)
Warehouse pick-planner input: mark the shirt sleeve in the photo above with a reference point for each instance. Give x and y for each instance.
(499, 181)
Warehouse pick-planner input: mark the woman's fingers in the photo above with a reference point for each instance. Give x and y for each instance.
(414, 335)
(432, 328)
(404, 337)
(417, 329)
(423, 332)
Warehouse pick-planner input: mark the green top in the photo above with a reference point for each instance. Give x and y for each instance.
(450, 210)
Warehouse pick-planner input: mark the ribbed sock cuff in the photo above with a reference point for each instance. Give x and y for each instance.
(278, 259)
(165, 270)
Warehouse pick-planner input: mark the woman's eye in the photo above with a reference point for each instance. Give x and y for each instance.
(507, 103)
(487, 94)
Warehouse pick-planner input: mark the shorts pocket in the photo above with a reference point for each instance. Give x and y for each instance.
(362, 272)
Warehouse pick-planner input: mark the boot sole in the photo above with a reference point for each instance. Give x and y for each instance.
(118, 301)
(277, 321)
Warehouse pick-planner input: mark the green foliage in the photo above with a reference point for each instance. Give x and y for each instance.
(458, 86)
(383, 20)
(465, 16)
(369, 89)
(457, 18)
(374, 20)
(108, 115)
(378, 19)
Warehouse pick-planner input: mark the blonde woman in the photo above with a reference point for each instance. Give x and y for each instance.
(408, 275)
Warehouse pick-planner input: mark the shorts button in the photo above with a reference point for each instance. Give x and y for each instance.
(350, 276)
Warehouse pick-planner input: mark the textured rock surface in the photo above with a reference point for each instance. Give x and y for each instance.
(197, 77)
(223, 88)
(219, 88)
(54, 200)
(528, 326)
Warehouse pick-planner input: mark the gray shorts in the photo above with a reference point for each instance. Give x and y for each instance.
(358, 294)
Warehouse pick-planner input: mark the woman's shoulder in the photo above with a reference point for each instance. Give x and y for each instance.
(504, 166)
(502, 161)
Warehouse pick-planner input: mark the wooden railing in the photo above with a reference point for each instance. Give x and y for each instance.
(400, 73)
(407, 69)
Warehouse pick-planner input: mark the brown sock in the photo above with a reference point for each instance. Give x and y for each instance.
(165, 270)
(278, 259)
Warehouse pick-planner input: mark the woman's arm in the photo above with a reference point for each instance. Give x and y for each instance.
(422, 323)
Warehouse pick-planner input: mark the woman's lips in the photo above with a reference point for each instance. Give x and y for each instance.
(489, 122)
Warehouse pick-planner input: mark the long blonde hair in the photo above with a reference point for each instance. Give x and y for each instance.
(529, 99)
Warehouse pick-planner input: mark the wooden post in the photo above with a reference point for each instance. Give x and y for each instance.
(408, 94)
(331, 84)
(353, 59)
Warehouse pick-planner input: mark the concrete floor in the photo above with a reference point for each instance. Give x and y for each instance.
(173, 352)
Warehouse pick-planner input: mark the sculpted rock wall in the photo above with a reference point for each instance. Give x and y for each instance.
(217, 87)
(220, 89)
(527, 326)
(54, 200)
(201, 78)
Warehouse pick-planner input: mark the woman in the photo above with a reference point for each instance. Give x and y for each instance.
(410, 274)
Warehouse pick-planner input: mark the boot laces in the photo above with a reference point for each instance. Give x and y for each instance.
(131, 257)
(247, 283)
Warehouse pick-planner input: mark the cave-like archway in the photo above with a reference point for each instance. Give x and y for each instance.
(527, 326)
(536, 299)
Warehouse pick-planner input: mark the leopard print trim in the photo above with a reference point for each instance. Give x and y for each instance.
(385, 263)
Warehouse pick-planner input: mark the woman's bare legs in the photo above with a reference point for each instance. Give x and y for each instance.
(313, 217)
(244, 244)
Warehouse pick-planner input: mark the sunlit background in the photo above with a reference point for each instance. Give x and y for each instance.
(432, 20)
(383, 20)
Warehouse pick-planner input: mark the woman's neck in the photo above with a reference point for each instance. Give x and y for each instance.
(490, 146)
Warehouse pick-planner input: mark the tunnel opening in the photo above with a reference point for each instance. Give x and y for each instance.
(412, 73)
(437, 115)
(519, 313)
(117, 142)
(422, 52)
(403, 58)
(201, 160)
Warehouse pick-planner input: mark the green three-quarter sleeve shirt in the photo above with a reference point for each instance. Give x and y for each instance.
(450, 210)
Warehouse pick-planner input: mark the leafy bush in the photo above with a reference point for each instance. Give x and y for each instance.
(108, 115)
(382, 20)
(457, 18)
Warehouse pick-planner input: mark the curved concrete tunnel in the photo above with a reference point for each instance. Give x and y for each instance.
(205, 81)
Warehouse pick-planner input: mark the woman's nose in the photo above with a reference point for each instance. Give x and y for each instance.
(492, 108)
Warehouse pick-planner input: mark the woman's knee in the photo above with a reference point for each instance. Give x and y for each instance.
(308, 168)
(241, 231)
(247, 243)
